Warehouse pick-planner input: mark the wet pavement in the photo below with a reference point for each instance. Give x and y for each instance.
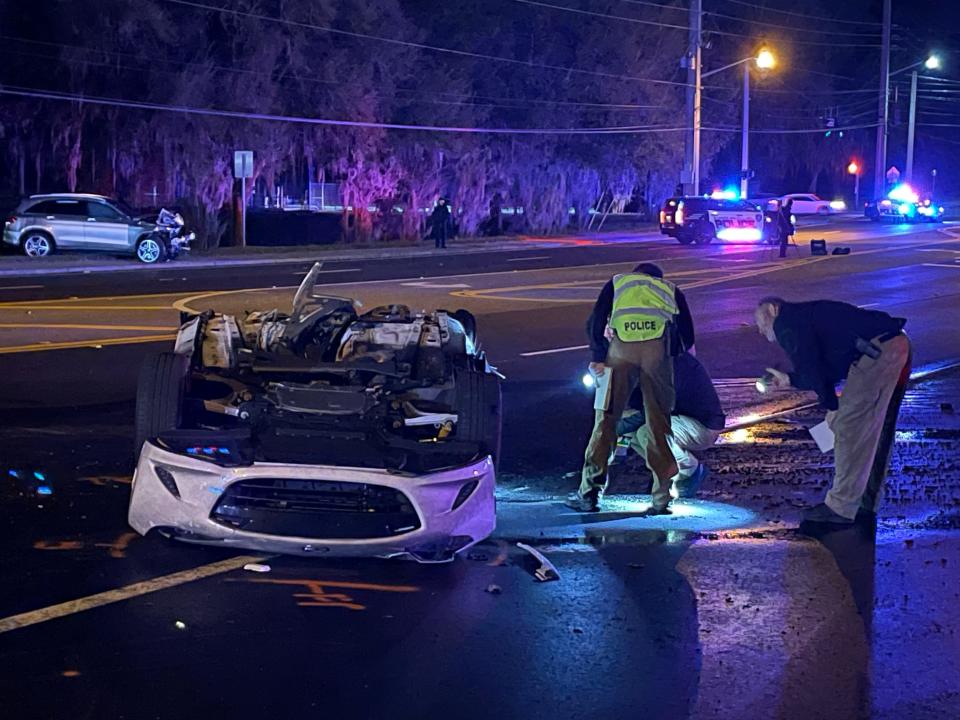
(722, 610)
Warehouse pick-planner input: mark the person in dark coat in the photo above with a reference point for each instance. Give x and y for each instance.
(441, 223)
(785, 226)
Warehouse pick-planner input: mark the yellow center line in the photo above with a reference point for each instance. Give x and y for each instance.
(40, 347)
(71, 607)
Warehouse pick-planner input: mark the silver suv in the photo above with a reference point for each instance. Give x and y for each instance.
(43, 224)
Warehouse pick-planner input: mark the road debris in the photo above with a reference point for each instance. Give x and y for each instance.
(546, 572)
(257, 567)
(494, 589)
(180, 625)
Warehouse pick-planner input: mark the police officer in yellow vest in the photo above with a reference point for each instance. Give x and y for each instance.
(638, 323)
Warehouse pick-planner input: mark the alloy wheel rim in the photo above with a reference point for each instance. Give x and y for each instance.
(37, 246)
(149, 251)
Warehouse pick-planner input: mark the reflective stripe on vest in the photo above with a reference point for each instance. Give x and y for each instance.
(642, 307)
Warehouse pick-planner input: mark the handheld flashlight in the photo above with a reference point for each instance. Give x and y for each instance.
(588, 380)
(763, 384)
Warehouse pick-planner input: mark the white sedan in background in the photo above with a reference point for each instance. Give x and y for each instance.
(810, 204)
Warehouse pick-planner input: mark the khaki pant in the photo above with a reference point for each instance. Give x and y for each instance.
(864, 427)
(647, 363)
(687, 436)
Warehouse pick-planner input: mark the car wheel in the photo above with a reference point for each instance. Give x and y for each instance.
(37, 244)
(469, 322)
(161, 389)
(684, 239)
(150, 251)
(823, 210)
(705, 234)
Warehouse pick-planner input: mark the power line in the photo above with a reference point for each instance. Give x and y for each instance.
(647, 3)
(464, 100)
(763, 8)
(537, 3)
(750, 21)
(419, 46)
(238, 115)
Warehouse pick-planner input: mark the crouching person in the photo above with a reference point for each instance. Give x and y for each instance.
(697, 421)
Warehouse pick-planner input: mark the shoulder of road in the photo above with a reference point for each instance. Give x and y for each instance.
(15, 266)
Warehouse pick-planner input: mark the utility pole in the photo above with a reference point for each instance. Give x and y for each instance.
(691, 159)
(912, 127)
(880, 164)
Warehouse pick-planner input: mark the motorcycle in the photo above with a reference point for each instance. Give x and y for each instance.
(170, 237)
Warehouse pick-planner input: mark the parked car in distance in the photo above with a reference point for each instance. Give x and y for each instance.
(43, 224)
(809, 204)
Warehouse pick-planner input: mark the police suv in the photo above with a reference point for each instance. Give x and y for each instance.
(701, 220)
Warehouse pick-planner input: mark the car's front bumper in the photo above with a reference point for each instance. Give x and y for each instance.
(189, 514)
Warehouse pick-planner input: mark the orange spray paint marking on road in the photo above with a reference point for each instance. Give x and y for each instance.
(58, 545)
(318, 596)
(118, 548)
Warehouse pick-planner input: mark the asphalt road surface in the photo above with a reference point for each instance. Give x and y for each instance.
(719, 611)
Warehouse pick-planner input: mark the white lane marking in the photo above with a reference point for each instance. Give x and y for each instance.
(939, 250)
(869, 305)
(554, 350)
(955, 267)
(527, 259)
(21, 287)
(439, 286)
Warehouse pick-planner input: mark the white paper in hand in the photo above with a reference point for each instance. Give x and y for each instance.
(601, 399)
(823, 436)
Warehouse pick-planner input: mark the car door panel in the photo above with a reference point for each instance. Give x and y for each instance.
(105, 228)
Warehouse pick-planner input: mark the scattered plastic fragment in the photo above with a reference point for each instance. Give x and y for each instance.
(546, 572)
(44, 490)
(494, 589)
(257, 567)
(180, 625)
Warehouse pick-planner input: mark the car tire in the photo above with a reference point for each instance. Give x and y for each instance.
(37, 244)
(481, 411)
(469, 322)
(823, 211)
(684, 239)
(705, 234)
(161, 389)
(150, 251)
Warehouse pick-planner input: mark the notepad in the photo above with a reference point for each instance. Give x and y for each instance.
(823, 436)
(601, 398)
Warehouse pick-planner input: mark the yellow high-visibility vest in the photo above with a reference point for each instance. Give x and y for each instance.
(642, 306)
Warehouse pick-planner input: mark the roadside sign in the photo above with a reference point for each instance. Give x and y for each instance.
(243, 164)
(893, 174)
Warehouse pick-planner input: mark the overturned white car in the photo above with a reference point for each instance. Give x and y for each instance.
(322, 432)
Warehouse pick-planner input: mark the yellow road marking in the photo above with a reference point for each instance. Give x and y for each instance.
(71, 607)
(40, 347)
(72, 326)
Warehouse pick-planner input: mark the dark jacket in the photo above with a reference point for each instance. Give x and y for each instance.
(597, 323)
(821, 338)
(696, 397)
(441, 223)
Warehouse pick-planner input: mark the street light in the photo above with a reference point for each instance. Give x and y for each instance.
(931, 63)
(765, 60)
